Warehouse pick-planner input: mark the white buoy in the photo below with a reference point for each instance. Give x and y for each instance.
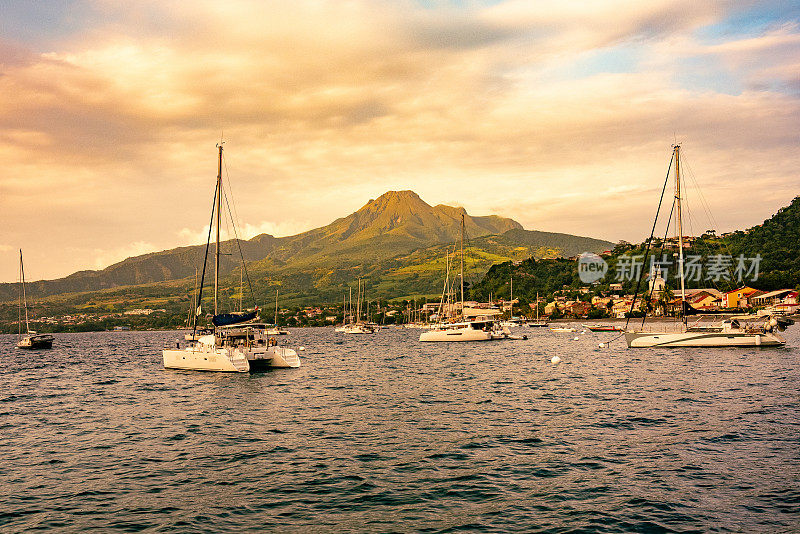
(555, 359)
(576, 338)
(602, 345)
(301, 348)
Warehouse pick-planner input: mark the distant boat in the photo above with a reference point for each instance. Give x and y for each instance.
(512, 321)
(537, 323)
(603, 328)
(739, 331)
(355, 325)
(236, 343)
(358, 328)
(275, 330)
(31, 339)
(563, 329)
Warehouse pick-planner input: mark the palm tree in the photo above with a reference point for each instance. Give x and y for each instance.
(646, 305)
(664, 299)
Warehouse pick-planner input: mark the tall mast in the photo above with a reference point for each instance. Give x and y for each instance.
(680, 224)
(350, 308)
(24, 297)
(193, 310)
(241, 286)
(512, 297)
(276, 307)
(358, 302)
(216, 249)
(445, 289)
(462, 265)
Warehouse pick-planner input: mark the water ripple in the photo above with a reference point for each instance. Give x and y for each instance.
(383, 434)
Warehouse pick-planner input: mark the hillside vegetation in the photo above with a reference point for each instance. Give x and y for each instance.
(776, 241)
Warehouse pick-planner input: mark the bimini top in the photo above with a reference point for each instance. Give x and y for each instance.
(224, 319)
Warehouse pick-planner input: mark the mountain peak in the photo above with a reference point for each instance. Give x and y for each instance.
(394, 199)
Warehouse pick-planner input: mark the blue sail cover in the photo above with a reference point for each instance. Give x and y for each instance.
(224, 319)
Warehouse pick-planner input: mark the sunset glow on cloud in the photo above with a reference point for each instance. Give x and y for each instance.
(560, 116)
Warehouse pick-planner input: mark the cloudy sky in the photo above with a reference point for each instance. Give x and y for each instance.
(560, 115)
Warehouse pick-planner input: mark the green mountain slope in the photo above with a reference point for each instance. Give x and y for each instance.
(396, 243)
(394, 224)
(777, 241)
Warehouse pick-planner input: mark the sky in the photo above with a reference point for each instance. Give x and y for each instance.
(560, 115)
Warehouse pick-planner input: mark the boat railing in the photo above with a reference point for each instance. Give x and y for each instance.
(658, 327)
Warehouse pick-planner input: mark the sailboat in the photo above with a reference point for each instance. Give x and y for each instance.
(512, 321)
(358, 326)
(31, 340)
(345, 311)
(736, 331)
(237, 343)
(537, 323)
(275, 330)
(462, 329)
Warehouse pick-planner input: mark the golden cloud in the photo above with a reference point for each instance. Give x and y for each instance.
(326, 104)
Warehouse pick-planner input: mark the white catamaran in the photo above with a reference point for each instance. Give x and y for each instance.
(31, 339)
(736, 331)
(237, 343)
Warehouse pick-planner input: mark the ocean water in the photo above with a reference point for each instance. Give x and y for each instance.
(384, 434)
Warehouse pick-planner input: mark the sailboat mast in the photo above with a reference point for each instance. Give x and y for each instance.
(462, 264)
(512, 297)
(24, 296)
(193, 310)
(276, 307)
(241, 286)
(680, 225)
(216, 249)
(358, 302)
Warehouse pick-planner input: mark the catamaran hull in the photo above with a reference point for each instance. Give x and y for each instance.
(36, 342)
(702, 339)
(236, 361)
(274, 358)
(191, 359)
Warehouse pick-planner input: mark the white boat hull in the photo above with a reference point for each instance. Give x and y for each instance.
(200, 357)
(205, 356)
(358, 329)
(456, 334)
(702, 339)
(279, 357)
